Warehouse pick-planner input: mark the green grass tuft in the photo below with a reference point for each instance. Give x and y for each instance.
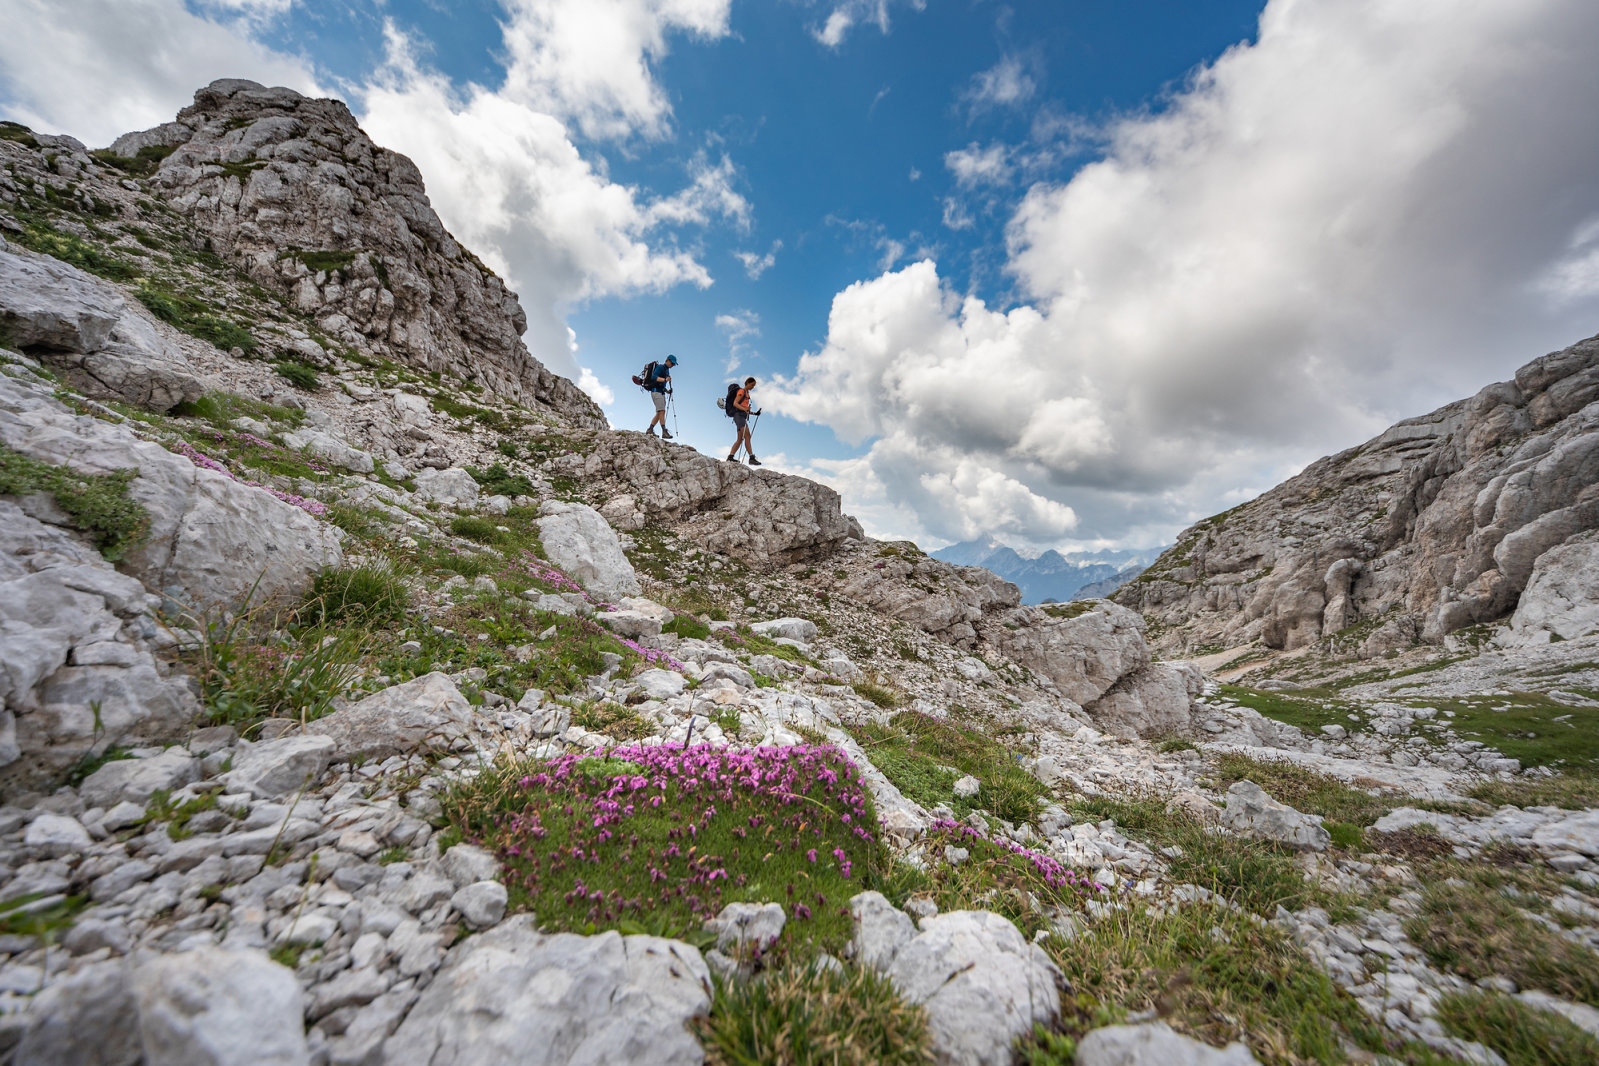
(367, 595)
(923, 756)
(98, 503)
(814, 1016)
(1523, 1035)
(299, 375)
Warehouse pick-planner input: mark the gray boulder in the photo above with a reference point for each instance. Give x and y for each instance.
(136, 780)
(88, 1018)
(453, 487)
(56, 834)
(1562, 596)
(68, 641)
(982, 985)
(579, 541)
(515, 995)
(881, 930)
(83, 326)
(331, 448)
(215, 1007)
(1252, 812)
(467, 864)
(1153, 701)
(211, 539)
(1086, 655)
(427, 713)
(277, 769)
(800, 629)
(1154, 1044)
(481, 904)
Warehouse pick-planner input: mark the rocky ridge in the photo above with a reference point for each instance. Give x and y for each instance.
(1480, 512)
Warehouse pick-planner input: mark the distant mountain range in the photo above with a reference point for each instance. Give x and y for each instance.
(1053, 576)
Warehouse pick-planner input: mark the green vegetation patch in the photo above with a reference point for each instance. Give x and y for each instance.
(1217, 975)
(1309, 709)
(670, 836)
(1534, 727)
(881, 695)
(1474, 921)
(813, 1015)
(16, 131)
(1574, 791)
(141, 164)
(1029, 888)
(38, 915)
(1255, 874)
(1304, 790)
(369, 595)
(98, 503)
(299, 375)
(924, 756)
(496, 480)
(256, 664)
(1523, 1035)
(221, 408)
(1074, 609)
(70, 249)
(328, 262)
(196, 318)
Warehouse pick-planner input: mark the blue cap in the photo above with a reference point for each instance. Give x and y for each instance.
(671, 360)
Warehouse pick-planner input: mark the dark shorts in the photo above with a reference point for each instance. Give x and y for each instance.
(740, 418)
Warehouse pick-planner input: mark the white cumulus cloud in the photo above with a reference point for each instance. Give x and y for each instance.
(98, 68)
(1377, 206)
(1007, 83)
(848, 14)
(756, 264)
(739, 327)
(589, 62)
(973, 165)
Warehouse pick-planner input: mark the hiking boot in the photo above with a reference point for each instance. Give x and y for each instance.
(650, 432)
(732, 457)
(664, 434)
(754, 461)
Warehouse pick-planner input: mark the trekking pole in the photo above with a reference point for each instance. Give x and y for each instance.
(672, 398)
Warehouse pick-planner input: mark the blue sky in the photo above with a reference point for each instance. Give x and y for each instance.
(1069, 274)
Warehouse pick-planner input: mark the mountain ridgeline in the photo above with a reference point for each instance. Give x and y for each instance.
(1052, 577)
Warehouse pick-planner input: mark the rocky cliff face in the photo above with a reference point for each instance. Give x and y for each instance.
(291, 193)
(1441, 522)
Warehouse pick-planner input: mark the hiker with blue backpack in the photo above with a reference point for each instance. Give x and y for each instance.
(737, 406)
(656, 380)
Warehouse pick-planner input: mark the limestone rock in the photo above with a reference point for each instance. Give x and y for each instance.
(83, 325)
(981, 983)
(480, 904)
(210, 538)
(758, 516)
(1153, 701)
(427, 713)
(68, 636)
(261, 171)
(800, 629)
(1085, 655)
(661, 684)
(1250, 810)
(56, 834)
(215, 1007)
(467, 864)
(1562, 595)
(135, 780)
(1437, 523)
(89, 1018)
(276, 769)
(329, 447)
(515, 995)
(1154, 1044)
(582, 544)
(453, 487)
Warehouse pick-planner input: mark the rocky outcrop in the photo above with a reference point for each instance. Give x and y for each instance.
(210, 539)
(291, 190)
(76, 669)
(580, 542)
(759, 516)
(83, 327)
(1439, 523)
(899, 581)
(515, 995)
(1559, 602)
